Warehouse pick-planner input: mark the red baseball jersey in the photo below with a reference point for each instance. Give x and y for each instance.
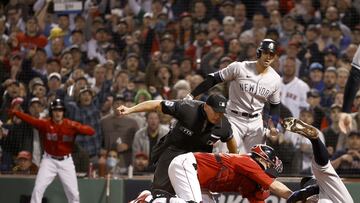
(58, 139)
(236, 173)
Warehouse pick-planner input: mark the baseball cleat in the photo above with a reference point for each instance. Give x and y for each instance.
(297, 126)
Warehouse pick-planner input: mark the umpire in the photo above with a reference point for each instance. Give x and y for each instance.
(199, 125)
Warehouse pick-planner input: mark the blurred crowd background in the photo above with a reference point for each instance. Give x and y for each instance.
(113, 53)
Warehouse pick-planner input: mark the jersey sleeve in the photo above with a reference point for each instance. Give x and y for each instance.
(81, 129)
(275, 96)
(231, 71)
(37, 123)
(171, 107)
(224, 131)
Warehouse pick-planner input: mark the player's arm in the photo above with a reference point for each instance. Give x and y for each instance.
(37, 123)
(82, 129)
(303, 194)
(280, 189)
(210, 81)
(147, 106)
(232, 146)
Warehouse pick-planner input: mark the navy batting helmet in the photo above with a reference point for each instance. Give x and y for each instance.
(266, 45)
(57, 104)
(268, 154)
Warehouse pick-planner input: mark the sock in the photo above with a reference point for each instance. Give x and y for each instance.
(321, 155)
(351, 87)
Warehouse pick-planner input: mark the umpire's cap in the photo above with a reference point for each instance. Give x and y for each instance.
(217, 102)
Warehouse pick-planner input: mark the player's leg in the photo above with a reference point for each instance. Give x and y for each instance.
(67, 175)
(46, 174)
(353, 83)
(255, 135)
(183, 176)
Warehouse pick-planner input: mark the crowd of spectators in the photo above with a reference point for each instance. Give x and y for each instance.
(115, 53)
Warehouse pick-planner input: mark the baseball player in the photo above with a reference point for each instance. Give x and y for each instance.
(252, 83)
(352, 83)
(252, 175)
(58, 135)
(330, 186)
(199, 125)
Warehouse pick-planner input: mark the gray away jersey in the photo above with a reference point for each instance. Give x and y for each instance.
(249, 90)
(356, 59)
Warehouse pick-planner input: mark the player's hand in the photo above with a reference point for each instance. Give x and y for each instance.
(273, 131)
(347, 158)
(189, 97)
(345, 122)
(123, 110)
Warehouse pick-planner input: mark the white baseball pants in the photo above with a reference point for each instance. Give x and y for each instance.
(183, 177)
(332, 189)
(48, 170)
(246, 131)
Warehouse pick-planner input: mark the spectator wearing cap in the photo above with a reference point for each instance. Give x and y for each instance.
(332, 15)
(316, 74)
(78, 40)
(240, 15)
(347, 161)
(213, 28)
(63, 21)
(37, 110)
(146, 137)
(141, 164)
(186, 67)
(10, 89)
(313, 99)
(293, 90)
(200, 14)
(292, 51)
(14, 18)
(199, 47)
(228, 32)
(37, 89)
(86, 109)
(329, 91)
(118, 131)
(24, 164)
(55, 47)
(175, 71)
(258, 25)
(132, 66)
(186, 32)
(98, 44)
(39, 61)
(31, 39)
(67, 65)
(227, 8)
(54, 82)
(335, 138)
(342, 76)
(338, 39)
(210, 61)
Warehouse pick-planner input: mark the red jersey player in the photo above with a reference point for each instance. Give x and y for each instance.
(58, 136)
(248, 174)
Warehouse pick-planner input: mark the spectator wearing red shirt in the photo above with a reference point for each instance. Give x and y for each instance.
(31, 38)
(252, 175)
(58, 135)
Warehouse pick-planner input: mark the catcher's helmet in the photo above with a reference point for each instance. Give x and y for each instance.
(268, 154)
(57, 104)
(266, 45)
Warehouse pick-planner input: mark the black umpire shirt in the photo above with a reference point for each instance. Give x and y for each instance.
(192, 132)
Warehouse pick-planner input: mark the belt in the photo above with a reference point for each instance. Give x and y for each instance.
(59, 158)
(244, 114)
